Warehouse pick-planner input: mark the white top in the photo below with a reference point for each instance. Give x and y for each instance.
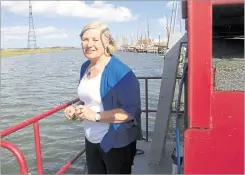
(89, 92)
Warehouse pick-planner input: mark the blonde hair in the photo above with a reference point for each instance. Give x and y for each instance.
(104, 32)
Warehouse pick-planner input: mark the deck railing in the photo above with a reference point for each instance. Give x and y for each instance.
(147, 110)
(35, 119)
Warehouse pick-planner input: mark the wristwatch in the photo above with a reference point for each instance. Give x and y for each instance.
(97, 117)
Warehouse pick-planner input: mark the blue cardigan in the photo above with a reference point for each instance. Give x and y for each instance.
(119, 88)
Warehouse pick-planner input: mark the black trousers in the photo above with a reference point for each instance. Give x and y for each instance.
(115, 161)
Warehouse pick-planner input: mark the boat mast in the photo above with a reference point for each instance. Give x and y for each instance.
(171, 21)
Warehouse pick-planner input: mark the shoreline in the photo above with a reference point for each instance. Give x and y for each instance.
(6, 53)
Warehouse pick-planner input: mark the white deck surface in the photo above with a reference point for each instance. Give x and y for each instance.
(141, 161)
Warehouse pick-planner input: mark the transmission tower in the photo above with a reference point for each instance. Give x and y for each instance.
(32, 43)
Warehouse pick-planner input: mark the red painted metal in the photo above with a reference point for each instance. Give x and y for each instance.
(64, 168)
(214, 143)
(199, 62)
(18, 154)
(38, 148)
(35, 118)
(68, 164)
(227, 2)
(219, 150)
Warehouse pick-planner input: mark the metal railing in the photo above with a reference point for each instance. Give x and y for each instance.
(35, 119)
(147, 110)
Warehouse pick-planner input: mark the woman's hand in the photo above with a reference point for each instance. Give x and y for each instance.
(70, 112)
(85, 113)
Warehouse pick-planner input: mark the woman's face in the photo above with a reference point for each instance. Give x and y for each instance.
(92, 45)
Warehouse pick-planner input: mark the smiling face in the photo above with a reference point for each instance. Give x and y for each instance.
(92, 44)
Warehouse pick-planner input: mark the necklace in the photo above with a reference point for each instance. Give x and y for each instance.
(89, 73)
(90, 69)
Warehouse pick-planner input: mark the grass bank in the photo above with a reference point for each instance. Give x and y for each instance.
(16, 52)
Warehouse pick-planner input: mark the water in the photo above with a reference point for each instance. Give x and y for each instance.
(31, 84)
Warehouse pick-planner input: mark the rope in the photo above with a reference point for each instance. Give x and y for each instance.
(177, 117)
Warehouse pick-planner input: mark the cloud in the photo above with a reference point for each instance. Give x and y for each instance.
(170, 4)
(177, 28)
(176, 34)
(99, 10)
(21, 33)
(163, 21)
(56, 36)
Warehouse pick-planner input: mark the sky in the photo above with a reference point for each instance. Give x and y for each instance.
(59, 23)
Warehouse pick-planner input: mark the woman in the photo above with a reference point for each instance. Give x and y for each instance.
(111, 111)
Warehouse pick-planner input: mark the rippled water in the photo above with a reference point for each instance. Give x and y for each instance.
(31, 84)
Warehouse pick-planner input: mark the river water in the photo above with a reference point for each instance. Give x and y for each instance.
(31, 84)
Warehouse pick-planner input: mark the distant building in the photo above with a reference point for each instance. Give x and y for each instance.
(144, 41)
(151, 42)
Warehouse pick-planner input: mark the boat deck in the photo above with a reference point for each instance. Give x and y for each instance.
(141, 162)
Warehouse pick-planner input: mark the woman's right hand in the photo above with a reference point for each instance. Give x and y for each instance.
(70, 112)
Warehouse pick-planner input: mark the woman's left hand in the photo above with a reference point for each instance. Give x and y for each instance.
(85, 113)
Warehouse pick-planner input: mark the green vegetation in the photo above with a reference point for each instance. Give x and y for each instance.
(16, 52)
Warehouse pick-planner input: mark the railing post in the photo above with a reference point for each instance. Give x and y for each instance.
(38, 148)
(33, 120)
(18, 155)
(69, 163)
(146, 107)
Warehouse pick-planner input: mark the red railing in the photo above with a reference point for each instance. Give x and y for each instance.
(34, 120)
(18, 154)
